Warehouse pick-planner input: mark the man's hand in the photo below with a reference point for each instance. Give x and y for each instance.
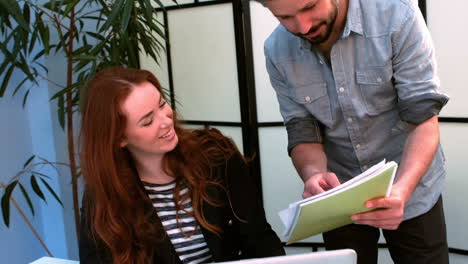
(389, 211)
(311, 164)
(319, 182)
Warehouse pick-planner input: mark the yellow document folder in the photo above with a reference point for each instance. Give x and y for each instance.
(333, 208)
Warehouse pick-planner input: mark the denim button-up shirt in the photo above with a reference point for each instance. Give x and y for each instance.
(381, 76)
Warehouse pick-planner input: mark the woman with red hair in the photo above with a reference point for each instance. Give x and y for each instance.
(158, 193)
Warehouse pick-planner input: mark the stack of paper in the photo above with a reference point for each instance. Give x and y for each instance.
(333, 208)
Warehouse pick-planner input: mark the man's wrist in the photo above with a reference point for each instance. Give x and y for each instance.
(403, 191)
(309, 173)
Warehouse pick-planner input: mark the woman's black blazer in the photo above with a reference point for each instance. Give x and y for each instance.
(246, 233)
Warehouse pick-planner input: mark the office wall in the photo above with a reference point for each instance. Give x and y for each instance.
(16, 242)
(34, 129)
(447, 23)
(27, 131)
(203, 75)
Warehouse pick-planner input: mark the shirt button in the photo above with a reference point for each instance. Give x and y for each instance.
(230, 222)
(379, 79)
(307, 98)
(350, 120)
(358, 146)
(364, 167)
(341, 89)
(321, 62)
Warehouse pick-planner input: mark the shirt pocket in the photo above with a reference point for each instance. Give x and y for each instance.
(377, 89)
(314, 98)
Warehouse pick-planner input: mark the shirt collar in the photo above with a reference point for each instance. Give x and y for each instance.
(353, 19)
(353, 23)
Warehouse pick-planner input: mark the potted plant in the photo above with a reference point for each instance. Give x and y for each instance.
(90, 34)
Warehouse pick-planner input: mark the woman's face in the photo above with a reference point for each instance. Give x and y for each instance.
(149, 129)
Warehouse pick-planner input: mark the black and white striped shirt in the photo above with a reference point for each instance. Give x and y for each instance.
(192, 249)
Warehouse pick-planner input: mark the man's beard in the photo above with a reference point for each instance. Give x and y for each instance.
(329, 25)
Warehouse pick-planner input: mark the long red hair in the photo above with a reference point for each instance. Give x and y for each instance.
(117, 209)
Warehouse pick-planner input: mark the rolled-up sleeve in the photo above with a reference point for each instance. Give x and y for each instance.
(420, 108)
(303, 130)
(415, 71)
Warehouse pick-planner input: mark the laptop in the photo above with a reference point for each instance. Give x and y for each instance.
(49, 260)
(342, 256)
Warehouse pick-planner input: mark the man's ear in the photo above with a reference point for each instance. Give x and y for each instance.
(123, 143)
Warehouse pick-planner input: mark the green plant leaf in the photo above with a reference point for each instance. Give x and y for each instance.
(52, 192)
(63, 39)
(146, 42)
(20, 84)
(160, 4)
(76, 98)
(98, 48)
(5, 63)
(28, 161)
(84, 40)
(83, 49)
(17, 40)
(6, 80)
(94, 52)
(54, 5)
(23, 65)
(6, 42)
(81, 25)
(96, 36)
(27, 14)
(69, 7)
(111, 19)
(86, 57)
(34, 36)
(61, 111)
(84, 8)
(6, 202)
(98, 18)
(62, 92)
(27, 198)
(44, 68)
(44, 33)
(148, 11)
(41, 174)
(76, 34)
(13, 8)
(127, 11)
(23, 35)
(25, 97)
(102, 14)
(39, 54)
(156, 27)
(36, 188)
(6, 209)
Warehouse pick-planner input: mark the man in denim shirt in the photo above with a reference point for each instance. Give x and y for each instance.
(356, 82)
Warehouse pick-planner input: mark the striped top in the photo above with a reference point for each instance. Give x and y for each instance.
(190, 246)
